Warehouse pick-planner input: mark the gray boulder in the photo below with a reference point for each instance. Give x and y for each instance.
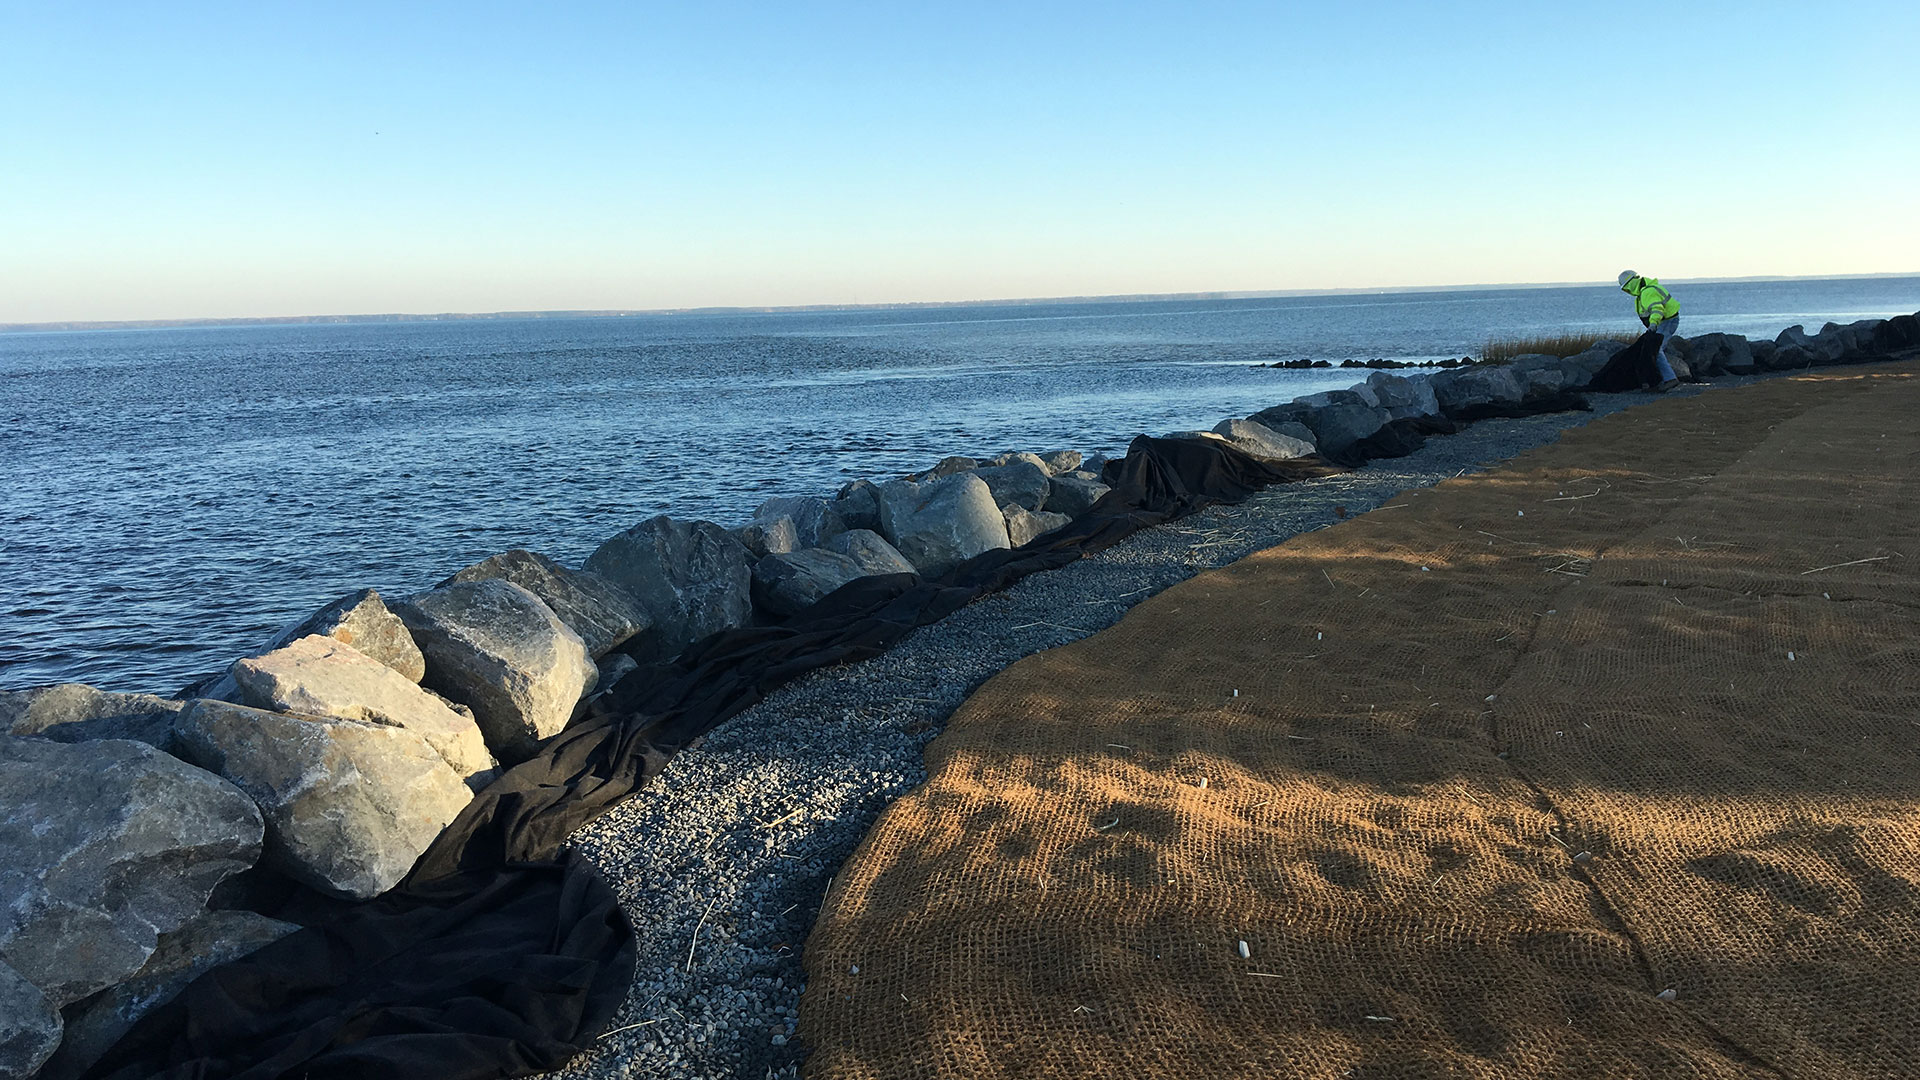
(1095, 464)
(612, 667)
(784, 584)
(1060, 461)
(871, 552)
(1482, 384)
(1402, 397)
(764, 538)
(29, 1026)
(319, 676)
(1023, 524)
(211, 939)
(1762, 352)
(949, 466)
(74, 712)
(361, 619)
(605, 615)
(815, 521)
(1807, 349)
(858, 504)
(1719, 354)
(494, 647)
(1011, 457)
(1261, 441)
(107, 846)
(1017, 483)
(1337, 418)
(939, 524)
(693, 576)
(349, 805)
(1540, 374)
(1072, 494)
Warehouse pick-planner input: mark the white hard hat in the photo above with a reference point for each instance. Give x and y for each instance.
(1626, 276)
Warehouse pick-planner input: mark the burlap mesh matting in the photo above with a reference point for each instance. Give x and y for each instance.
(1476, 777)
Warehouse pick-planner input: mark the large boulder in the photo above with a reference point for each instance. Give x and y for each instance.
(1797, 348)
(497, 649)
(74, 712)
(1060, 461)
(1260, 441)
(814, 521)
(319, 676)
(349, 804)
(949, 466)
(858, 504)
(1023, 524)
(29, 1026)
(1337, 418)
(784, 584)
(774, 537)
(693, 576)
(1898, 334)
(211, 939)
(1719, 354)
(1402, 397)
(1073, 493)
(598, 609)
(1482, 384)
(871, 552)
(361, 619)
(1541, 374)
(1017, 483)
(939, 524)
(107, 845)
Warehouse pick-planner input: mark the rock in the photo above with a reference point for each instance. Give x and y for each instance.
(605, 615)
(1013, 457)
(1482, 384)
(1719, 354)
(107, 846)
(1540, 374)
(320, 676)
(1762, 352)
(1897, 334)
(1403, 397)
(1072, 494)
(29, 1026)
(494, 647)
(871, 551)
(1023, 524)
(1020, 483)
(785, 584)
(1261, 441)
(74, 712)
(1337, 418)
(938, 525)
(612, 668)
(815, 521)
(858, 505)
(349, 805)
(1095, 464)
(949, 466)
(764, 538)
(361, 619)
(211, 939)
(1060, 461)
(693, 577)
(1797, 349)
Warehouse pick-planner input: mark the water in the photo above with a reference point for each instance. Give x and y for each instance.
(172, 497)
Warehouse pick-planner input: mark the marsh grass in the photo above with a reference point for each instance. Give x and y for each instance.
(1502, 349)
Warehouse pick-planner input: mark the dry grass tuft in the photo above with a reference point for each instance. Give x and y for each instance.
(1501, 349)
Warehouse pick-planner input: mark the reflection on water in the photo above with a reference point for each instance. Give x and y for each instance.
(172, 496)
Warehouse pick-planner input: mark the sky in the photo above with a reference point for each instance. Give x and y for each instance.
(180, 160)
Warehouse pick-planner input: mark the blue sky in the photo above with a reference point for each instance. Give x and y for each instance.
(180, 160)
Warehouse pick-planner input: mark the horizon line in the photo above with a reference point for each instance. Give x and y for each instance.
(80, 325)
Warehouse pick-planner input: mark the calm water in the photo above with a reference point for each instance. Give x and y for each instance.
(171, 497)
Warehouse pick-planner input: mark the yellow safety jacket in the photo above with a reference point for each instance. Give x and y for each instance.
(1651, 301)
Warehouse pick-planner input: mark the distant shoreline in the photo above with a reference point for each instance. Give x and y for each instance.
(1124, 298)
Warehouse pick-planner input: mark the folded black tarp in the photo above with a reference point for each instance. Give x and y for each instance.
(500, 955)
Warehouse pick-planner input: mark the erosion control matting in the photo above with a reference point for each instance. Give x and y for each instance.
(1601, 764)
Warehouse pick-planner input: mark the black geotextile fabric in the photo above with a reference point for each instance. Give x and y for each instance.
(1631, 368)
(500, 955)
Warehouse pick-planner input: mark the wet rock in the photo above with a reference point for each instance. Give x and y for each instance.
(871, 552)
(29, 1026)
(1061, 461)
(1261, 441)
(107, 846)
(858, 505)
(939, 524)
(1019, 483)
(494, 647)
(1023, 524)
(320, 676)
(785, 584)
(74, 712)
(693, 577)
(605, 615)
(211, 939)
(1072, 494)
(349, 805)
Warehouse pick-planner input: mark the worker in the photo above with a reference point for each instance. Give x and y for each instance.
(1659, 312)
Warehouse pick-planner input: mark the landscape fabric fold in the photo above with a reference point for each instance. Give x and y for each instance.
(1598, 764)
(500, 955)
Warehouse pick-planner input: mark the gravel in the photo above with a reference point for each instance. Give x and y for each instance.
(721, 863)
